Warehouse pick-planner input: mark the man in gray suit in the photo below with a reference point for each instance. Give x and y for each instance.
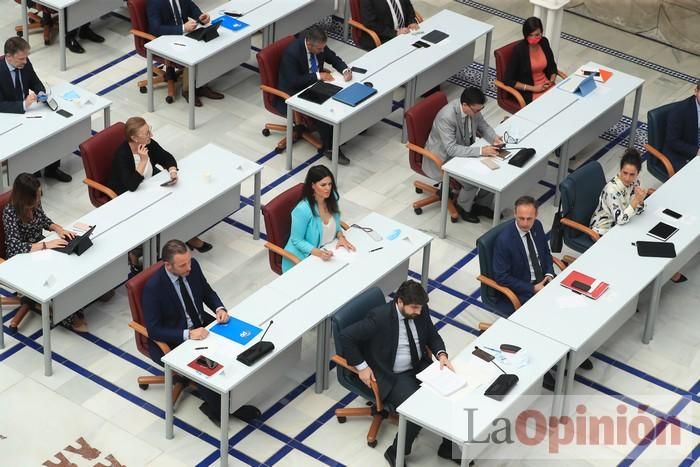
(455, 129)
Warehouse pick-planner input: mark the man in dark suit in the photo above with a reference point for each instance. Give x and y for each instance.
(683, 131)
(301, 66)
(173, 307)
(19, 87)
(174, 18)
(388, 347)
(388, 18)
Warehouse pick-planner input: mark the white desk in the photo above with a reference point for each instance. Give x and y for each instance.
(448, 416)
(40, 136)
(394, 64)
(71, 14)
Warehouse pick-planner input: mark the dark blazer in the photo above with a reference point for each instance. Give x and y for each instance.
(377, 17)
(124, 176)
(164, 313)
(682, 132)
(376, 338)
(8, 100)
(294, 74)
(510, 265)
(161, 21)
(518, 68)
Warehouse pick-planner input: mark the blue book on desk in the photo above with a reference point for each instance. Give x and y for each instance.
(354, 94)
(230, 23)
(237, 330)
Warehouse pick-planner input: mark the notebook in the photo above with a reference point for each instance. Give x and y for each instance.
(230, 23)
(435, 36)
(662, 231)
(656, 249)
(236, 330)
(585, 285)
(354, 94)
(320, 92)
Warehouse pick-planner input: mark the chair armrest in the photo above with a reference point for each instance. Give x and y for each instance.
(276, 92)
(366, 30)
(142, 35)
(487, 281)
(560, 264)
(340, 361)
(100, 187)
(282, 252)
(512, 91)
(581, 228)
(482, 326)
(562, 74)
(425, 153)
(662, 158)
(141, 329)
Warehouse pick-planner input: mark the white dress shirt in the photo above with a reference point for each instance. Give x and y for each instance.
(527, 253)
(174, 278)
(148, 171)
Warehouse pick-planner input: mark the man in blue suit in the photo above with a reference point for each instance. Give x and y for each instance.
(683, 131)
(172, 302)
(175, 18)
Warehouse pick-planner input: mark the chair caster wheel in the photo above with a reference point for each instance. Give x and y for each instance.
(454, 220)
(419, 191)
(342, 419)
(169, 99)
(143, 386)
(372, 443)
(143, 90)
(266, 132)
(418, 211)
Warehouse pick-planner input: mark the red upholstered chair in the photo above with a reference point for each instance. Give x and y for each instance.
(269, 60)
(358, 28)
(139, 28)
(134, 288)
(4, 200)
(39, 17)
(97, 153)
(419, 121)
(278, 223)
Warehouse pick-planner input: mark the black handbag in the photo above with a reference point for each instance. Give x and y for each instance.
(556, 235)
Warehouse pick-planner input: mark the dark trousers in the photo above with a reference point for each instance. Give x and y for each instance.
(74, 33)
(325, 131)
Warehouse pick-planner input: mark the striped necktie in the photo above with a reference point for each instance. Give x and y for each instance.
(399, 15)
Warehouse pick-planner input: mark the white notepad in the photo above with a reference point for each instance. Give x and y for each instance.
(444, 381)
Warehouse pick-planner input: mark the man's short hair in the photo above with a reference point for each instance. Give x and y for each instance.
(472, 95)
(316, 35)
(16, 44)
(697, 85)
(172, 248)
(631, 157)
(412, 293)
(525, 201)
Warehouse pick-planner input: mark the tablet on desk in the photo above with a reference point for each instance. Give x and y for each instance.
(662, 231)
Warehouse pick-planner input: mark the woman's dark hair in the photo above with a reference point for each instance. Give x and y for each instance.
(25, 190)
(532, 24)
(314, 175)
(631, 157)
(412, 293)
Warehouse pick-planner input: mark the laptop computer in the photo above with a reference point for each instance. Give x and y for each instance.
(354, 94)
(79, 244)
(319, 92)
(205, 34)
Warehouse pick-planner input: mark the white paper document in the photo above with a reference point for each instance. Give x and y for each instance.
(571, 83)
(444, 381)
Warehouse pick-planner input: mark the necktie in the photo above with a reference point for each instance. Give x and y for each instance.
(539, 275)
(415, 360)
(314, 63)
(176, 12)
(398, 13)
(189, 306)
(19, 92)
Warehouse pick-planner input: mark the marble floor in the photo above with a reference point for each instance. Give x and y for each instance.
(91, 411)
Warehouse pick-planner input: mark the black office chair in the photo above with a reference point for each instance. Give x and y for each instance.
(658, 164)
(580, 192)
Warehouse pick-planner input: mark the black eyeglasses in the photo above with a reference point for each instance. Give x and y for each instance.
(508, 139)
(364, 229)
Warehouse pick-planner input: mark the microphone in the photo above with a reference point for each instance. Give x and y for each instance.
(503, 384)
(258, 350)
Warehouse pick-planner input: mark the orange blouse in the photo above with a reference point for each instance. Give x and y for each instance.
(538, 63)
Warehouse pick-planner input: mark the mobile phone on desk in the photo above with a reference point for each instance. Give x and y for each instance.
(357, 69)
(671, 213)
(206, 362)
(170, 182)
(64, 113)
(591, 72)
(233, 14)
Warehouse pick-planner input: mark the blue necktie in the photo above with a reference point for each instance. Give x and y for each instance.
(314, 63)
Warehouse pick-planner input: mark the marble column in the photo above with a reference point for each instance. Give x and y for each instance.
(551, 12)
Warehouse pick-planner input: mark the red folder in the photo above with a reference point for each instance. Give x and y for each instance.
(204, 369)
(596, 287)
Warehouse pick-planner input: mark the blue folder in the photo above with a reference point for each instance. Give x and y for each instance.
(354, 94)
(230, 22)
(237, 330)
(586, 86)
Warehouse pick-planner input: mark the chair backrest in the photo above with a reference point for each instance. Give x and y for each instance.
(419, 122)
(486, 245)
(505, 101)
(278, 221)
(97, 153)
(352, 312)
(269, 60)
(656, 122)
(134, 289)
(356, 15)
(580, 192)
(4, 200)
(139, 21)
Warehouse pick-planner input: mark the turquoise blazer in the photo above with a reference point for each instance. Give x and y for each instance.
(306, 232)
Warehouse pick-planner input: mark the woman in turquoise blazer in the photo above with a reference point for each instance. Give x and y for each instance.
(316, 218)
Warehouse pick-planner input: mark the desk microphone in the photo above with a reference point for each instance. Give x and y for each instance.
(503, 384)
(258, 350)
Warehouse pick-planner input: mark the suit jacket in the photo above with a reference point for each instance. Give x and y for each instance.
(124, 176)
(519, 69)
(376, 15)
(682, 132)
(375, 340)
(164, 313)
(510, 265)
(8, 99)
(306, 232)
(294, 74)
(448, 139)
(161, 21)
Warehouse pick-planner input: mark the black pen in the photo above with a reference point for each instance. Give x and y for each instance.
(34, 116)
(201, 348)
(177, 43)
(376, 249)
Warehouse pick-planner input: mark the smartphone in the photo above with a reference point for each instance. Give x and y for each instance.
(421, 44)
(673, 214)
(64, 113)
(485, 356)
(357, 69)
(580, 286)
(206, 362)
(53, 105)
(169, 182)
(232, 14)
(590, 72)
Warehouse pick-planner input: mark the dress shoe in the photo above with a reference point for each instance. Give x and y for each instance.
(58, 174)
(203, 248)
(107, 296)
(681, 278)
(197, 100)
(483, 211)
(342, 160)
(89, 34)
(548, 381)
(247, 413)
(215, 418)
(390, 456)
(446, 450)
(74, 46)
(209, 93)
(467, 216)
(586, 365)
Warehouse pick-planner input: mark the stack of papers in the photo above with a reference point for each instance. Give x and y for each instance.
(444, 382)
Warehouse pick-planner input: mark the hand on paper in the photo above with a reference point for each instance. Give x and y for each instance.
(198, 334)
(222, 316)
(445, 362)
(344, 243)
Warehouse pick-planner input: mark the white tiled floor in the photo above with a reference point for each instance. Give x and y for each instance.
(40, 417)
